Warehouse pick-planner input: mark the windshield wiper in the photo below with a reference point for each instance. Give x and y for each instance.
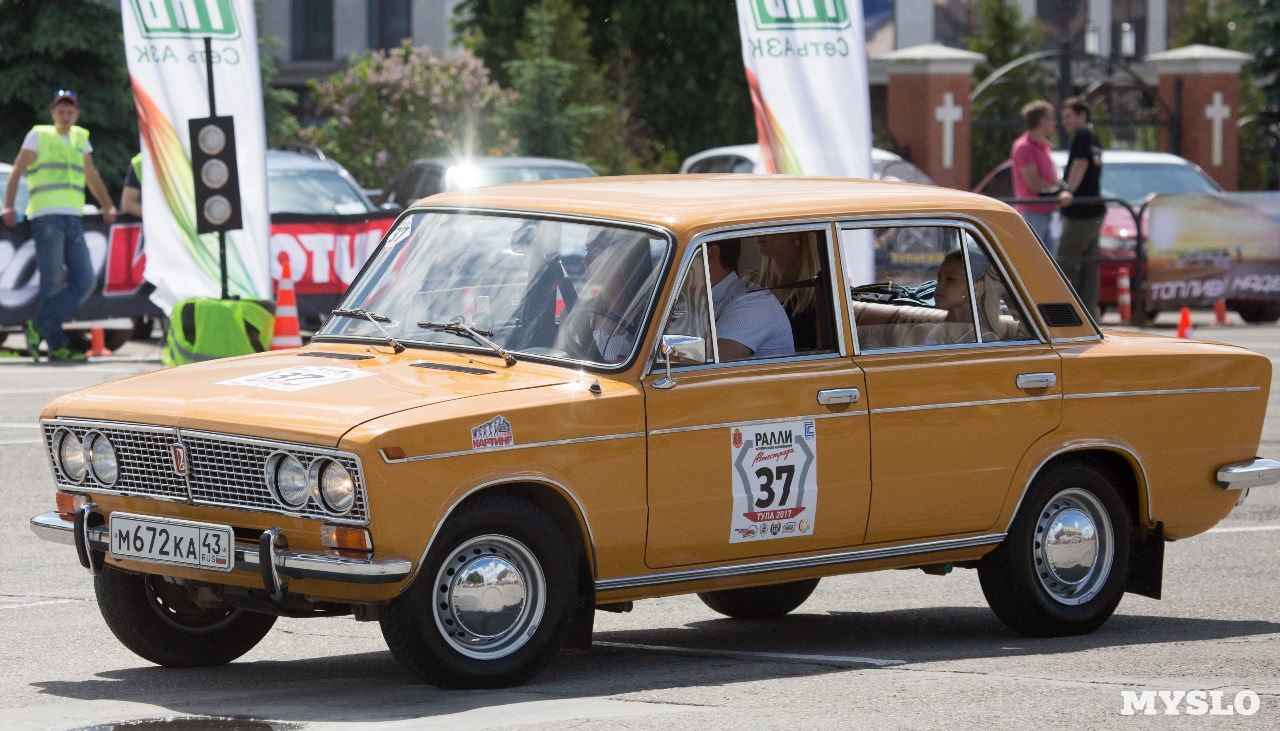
(373, 318)
(458, 327)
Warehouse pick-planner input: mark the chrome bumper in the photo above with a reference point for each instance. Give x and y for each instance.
(1244, 475)
(56, 527)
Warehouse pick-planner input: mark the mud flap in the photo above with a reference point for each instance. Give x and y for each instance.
(1146, 565)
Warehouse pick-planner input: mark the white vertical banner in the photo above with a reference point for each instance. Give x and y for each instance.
(806, 67)
(164, 41)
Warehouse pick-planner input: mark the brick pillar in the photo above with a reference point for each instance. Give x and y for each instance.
(1201, 84)
(928, 108)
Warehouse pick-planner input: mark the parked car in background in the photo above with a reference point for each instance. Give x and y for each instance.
(20, 203)
(1132, 177)
(430, 175)
(305, 180)
(746, 159)
(483, 446)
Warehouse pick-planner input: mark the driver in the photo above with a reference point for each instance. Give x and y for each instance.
(616, 267)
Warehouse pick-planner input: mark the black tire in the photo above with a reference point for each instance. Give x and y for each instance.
(439, 628)
(81, 340)
(1019, 577)
(760, 602)
(157, 621)
(1257, 313)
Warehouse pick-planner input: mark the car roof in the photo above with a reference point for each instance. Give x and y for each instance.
(685, 203)
(286, 160)
(752, 153)
(504, 162)
(1128, 157)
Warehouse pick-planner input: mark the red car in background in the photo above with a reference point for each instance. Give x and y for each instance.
(1132, 177)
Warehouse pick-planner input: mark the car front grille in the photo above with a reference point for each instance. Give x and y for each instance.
(222, 469)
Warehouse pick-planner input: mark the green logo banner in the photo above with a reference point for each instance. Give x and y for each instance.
(800, 14)
(186, 19)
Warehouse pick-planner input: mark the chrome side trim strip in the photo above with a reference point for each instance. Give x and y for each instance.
(757, 422)
(788, 564)
(329, 567)
(964, 404)
(1164, 392)
(531, 445)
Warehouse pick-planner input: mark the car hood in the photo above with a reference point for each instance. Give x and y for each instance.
(315, 394)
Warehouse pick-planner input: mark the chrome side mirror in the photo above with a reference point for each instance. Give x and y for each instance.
(684, 347)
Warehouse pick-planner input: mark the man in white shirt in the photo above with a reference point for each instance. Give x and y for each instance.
(750, 322)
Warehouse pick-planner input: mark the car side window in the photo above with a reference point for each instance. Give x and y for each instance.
(924, 286)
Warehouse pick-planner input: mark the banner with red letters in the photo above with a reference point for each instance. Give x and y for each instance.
(324, 254)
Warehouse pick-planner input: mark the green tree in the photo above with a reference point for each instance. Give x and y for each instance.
(390, 107)
(1004, 38)
(282, 126)
(67, 44)
(687, 53)
(548, 118)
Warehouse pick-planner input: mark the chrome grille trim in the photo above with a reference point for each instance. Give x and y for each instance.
(224, 470)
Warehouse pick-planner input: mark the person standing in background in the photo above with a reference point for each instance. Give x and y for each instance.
(1034, 174)
(131, 193)
(1081, 222)
(58, 162)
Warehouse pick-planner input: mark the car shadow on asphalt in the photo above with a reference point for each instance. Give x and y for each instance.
(372, 687)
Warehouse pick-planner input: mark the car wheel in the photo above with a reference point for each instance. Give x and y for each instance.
(1061, 569)
(760, 602)
(493, 602)
(1257, 313)
(158, 622)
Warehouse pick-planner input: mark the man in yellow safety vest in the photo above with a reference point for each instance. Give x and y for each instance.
(58, 161)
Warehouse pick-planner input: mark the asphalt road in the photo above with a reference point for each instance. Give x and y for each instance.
(890, 650)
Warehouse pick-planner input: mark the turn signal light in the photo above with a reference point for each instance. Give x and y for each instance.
(346, 537)
(69, 503)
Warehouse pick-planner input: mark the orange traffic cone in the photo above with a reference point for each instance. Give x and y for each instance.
(287, 334)
(1220, 312)
(1184, 323)
(97, 343)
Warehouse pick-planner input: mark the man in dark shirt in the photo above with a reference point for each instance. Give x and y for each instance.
(1081, 222)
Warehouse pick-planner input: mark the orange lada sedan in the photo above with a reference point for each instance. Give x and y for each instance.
(541, 400)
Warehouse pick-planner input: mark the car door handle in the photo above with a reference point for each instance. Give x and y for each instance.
(839, 396)
(1028, 381)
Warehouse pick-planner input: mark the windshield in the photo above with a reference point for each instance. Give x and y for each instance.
(1134, 182)
(313, 191)
(532, 286)
(461, 177)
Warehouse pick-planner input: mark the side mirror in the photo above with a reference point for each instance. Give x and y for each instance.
(684, 348)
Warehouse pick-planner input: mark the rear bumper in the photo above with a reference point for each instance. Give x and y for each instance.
(1244, 475)
(59, 528)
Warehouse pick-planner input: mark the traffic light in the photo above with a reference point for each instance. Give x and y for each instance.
(213, 164)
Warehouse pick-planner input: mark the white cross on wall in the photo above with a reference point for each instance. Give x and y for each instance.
(948, 114)
(1218, 113)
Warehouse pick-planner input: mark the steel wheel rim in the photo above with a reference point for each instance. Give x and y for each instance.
(1073, 547)
(176, 611)
(489, 597)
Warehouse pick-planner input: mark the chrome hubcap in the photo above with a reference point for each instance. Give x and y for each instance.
(489, 598)
(1073, 547)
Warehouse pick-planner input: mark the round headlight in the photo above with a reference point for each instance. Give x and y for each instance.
(288, 478)
(71, 456)
(337, 488)
(102, 458)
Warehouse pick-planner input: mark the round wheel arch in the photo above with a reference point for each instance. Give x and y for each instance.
(1121, 464)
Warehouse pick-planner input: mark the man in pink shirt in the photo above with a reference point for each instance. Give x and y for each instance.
(1034, 174)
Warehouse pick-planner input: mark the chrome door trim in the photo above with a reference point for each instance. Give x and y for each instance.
(789, 564)
(965, 404)
(754, 422)
(531, 445)
(1163, 392)
(828, 396)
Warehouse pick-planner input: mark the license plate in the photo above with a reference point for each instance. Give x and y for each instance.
(178, 542)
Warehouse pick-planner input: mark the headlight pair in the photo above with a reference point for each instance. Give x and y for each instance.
(95, 456)
(327, 479)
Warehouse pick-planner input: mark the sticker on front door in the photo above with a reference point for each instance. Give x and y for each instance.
(775, 480)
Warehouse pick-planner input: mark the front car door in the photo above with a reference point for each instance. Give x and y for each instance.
(765, 455)
(953, 407)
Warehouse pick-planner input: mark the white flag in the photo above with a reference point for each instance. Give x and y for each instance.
(164, 40)
(806, 67)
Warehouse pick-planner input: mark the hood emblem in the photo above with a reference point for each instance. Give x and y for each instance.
(178, 453)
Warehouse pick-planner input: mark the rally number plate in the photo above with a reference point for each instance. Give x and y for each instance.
(178, 542)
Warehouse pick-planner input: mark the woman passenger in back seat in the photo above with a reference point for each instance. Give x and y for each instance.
(952, 295)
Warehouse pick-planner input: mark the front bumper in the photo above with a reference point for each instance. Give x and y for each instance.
(1244, 475)
(92, 541)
